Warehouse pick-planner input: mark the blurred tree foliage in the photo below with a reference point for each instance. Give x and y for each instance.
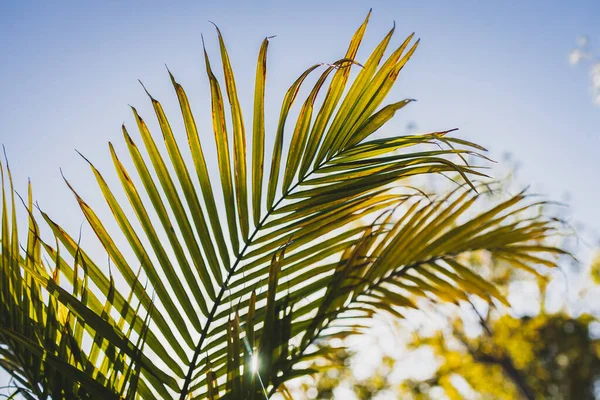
(551, 355)
(331, 378)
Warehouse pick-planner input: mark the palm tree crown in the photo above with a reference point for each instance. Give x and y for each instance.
(227, 294)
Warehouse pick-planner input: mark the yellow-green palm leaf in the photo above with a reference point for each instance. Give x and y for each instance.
(218, 274)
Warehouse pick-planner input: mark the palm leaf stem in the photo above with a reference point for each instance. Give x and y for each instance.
(402, 271)
(189, 376)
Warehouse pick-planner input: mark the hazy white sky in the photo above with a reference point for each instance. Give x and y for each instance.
(496, 70)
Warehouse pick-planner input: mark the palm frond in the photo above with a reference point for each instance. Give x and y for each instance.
(44, 325)
(337, 236)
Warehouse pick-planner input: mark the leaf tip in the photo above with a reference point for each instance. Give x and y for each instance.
(136, 115)
(84, 157)
(218, 30)
(173, 81)
(146, 90)
(203, 44)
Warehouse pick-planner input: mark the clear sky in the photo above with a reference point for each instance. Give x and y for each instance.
(497, 70)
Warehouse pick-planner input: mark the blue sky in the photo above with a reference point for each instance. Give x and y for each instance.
(496, 70)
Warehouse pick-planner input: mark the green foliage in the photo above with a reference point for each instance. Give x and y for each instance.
(336, 370)
(549, 356)
(266, 271)
(595, 267)
(41, 334)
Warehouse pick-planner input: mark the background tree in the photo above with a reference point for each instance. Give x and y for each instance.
(484, 352)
